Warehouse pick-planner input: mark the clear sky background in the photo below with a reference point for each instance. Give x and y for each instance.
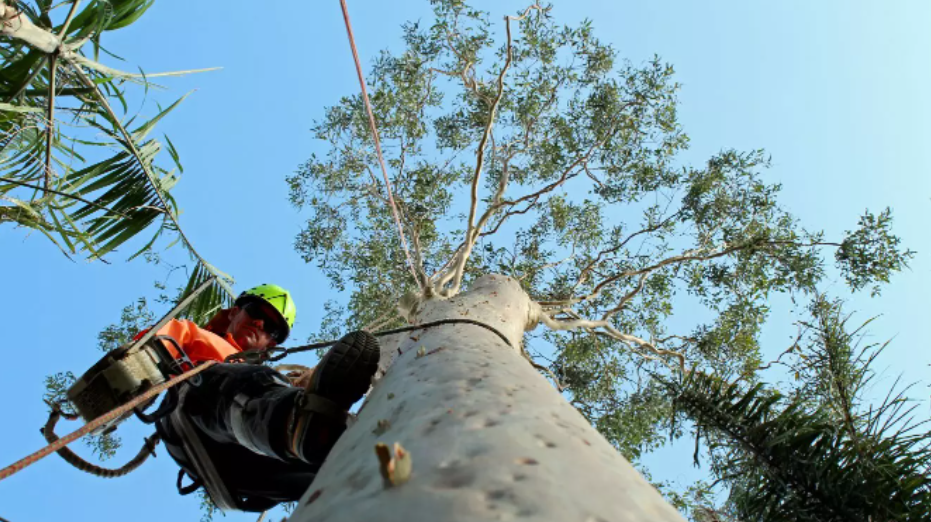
(836, 91)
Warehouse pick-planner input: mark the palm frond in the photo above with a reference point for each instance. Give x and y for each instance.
(792, 458)
(92, 209)
(211, 300)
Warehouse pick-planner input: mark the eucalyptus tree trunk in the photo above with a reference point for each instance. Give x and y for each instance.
(488, 437)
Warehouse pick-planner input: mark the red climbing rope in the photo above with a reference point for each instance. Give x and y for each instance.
(381, 159)
(100, 421)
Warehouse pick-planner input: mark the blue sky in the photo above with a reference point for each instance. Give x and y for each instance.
(836, 91)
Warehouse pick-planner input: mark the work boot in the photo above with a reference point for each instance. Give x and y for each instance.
(339, 381)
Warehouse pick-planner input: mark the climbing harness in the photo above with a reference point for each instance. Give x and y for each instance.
(124, 410)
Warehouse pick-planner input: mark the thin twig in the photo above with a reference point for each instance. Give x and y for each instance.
(64, 26)
(527, 12)
(469, 83)
(790, 349)
(592, 176)
(50, 116)
(630, 295)
(22, 88)
(694, 255)
(606, 327)
(544, 369)
(553, 264)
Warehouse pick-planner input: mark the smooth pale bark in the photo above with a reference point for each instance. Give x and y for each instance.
(17, 25)
(489, 437)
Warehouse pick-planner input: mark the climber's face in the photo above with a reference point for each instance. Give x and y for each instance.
(253, 326)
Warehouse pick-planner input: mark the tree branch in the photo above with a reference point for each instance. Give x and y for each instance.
(423, 281)
(544, 369)
(627, 297)
(527, 12)
(479, 166)
(778, 360)
(585, 271)
(67, 24)
(509, 214)
(592, 176)
(554, 264)
(607, 328)
(700, 254)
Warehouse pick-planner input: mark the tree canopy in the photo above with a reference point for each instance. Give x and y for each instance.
(531, 149)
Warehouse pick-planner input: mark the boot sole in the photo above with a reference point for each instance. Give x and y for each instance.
(345, 372)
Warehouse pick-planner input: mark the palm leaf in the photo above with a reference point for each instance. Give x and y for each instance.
(211, 300)
(786, 459)
(94, 208)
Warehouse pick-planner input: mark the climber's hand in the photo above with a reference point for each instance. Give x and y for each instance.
(300, 378)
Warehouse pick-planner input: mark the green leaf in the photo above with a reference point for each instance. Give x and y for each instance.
(131, 14)
(140, 133)
(174, 154)
(7, 107)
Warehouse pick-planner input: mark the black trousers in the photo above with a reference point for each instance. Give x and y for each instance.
(240, 414)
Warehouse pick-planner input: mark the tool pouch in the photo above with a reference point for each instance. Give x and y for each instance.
(120, 376)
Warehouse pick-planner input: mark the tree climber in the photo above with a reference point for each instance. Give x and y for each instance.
(244, 432)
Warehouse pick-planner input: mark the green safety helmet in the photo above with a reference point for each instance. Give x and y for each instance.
(278, 298)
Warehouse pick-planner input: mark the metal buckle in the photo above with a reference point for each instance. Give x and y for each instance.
(176, 364)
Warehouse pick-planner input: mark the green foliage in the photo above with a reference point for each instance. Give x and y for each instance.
(871, 252)
(695, 502)
(134, 318)
(104, 446)
(89, 179)
(56, 392)
(211, 300)
(92, 180)
(123, 201)
(207, 508)
(820, 452)
(581, 195)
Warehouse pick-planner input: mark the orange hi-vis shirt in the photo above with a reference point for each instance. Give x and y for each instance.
(199, 344)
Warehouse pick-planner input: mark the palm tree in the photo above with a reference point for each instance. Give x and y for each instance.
(819, 452)
(57, 112)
